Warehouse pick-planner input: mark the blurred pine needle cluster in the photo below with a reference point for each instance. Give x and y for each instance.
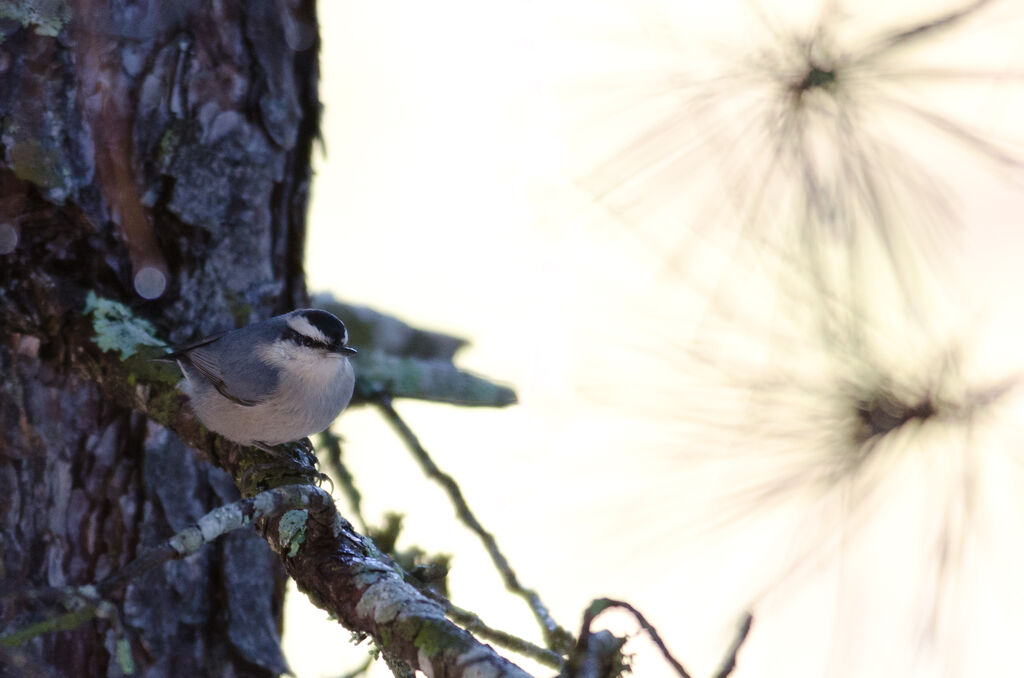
(832, 378)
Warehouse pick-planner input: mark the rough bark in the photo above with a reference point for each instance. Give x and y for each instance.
(140, 140)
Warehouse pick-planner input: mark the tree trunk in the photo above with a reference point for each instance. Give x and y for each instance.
(158, 154)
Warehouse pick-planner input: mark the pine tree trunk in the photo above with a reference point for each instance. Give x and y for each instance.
(155, 153)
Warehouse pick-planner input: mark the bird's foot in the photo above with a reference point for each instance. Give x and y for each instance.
(298, 457)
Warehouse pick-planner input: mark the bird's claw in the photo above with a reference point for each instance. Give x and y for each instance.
(300, 455)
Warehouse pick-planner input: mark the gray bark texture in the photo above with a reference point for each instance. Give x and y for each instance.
(142, 144)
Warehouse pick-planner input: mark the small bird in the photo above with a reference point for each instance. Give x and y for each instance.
(271, 382)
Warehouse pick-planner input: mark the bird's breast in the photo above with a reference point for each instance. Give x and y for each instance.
(320, 389)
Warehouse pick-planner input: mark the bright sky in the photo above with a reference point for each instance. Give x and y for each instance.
(457, 194)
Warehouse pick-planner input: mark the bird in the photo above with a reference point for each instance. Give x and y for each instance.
(272, 382)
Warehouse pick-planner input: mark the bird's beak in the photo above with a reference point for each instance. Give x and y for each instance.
(347, 350)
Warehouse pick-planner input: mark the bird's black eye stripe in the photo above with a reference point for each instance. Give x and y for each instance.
(302, 339)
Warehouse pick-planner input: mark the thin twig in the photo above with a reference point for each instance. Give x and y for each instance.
(346, 482)
(63, 622)
(556, 637)
(601, 604)
(475, 625)
(82, 603)
(729, 662)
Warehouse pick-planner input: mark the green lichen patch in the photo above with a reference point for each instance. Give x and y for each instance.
(291, 530)
(116, 328)
(34, 162)
(431, 639)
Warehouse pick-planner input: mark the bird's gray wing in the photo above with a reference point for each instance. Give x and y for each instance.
(179, 352)
(231, 369)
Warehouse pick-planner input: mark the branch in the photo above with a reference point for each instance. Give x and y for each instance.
(396, 609)
(556, 637)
